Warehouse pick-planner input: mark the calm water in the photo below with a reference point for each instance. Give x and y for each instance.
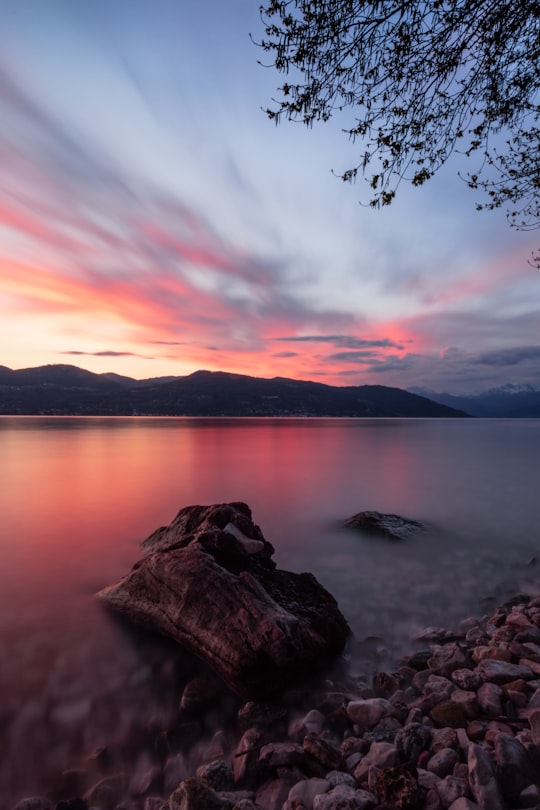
(77, 495)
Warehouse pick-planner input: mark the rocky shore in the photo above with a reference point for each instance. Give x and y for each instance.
(274, 718)
(455, 725)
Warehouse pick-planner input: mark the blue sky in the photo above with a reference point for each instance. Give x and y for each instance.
(154, 221)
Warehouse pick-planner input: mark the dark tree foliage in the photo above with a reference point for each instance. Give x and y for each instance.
(421, 79)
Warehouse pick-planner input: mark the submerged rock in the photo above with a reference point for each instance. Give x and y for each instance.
(209, 582)
(393, 526)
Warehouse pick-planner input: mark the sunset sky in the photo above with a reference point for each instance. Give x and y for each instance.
(153, 221)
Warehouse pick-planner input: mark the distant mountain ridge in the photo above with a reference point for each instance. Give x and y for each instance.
(69, 390)
(507, 401)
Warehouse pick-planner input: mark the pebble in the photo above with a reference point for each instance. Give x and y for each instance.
(455, 727)
(304, 792)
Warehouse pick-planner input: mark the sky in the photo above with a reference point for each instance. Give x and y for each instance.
(154, 221)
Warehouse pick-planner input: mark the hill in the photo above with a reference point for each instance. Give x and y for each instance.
(68, 390)
(507, 401)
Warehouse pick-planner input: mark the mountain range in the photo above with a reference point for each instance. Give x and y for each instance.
(69, 390)
(507, 401)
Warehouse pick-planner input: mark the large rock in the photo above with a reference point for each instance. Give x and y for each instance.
(394, 527)
(209, 582)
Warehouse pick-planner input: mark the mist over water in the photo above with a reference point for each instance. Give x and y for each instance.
(78, 495)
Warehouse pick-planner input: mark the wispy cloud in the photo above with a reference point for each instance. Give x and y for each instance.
(345, 341)
(362, 358)
(107, 353)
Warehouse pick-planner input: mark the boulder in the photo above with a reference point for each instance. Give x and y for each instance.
(209, 582)
(394, 527)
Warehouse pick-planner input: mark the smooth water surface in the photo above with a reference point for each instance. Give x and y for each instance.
(77, 495)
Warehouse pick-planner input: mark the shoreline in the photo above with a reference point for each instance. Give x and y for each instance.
(456, 724)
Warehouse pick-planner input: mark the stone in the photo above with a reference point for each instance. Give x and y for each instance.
(451, 788)
(353, 745)
(198, 694)
(440, 635)
(442, 763)
(448, 713)
(311, 723)
(502, 634)
(380, 755)
(281, 754)
(463, 739)
(517, 698)
(386, 525)
(534, 722)
(398, 787)
(385, 684)
(531, 664)
(530, 796)
(514, 768)
(476, 730)
(495, 671)
(306, 790)
(491, 652)
(218, 774)
(432, 800)
(482, 779)
(352, 760)
(367, 713)
(534, 700)
(322, 751)
(490, 698)
(463, 804)
(494, 728)
(467, 701)
(196, 794)
(331, 702)
(410, 741)
(447, 659)
(343, 797)
(438, 686)
(534, 649)
(476, 636)
(246, 756)
(263, 716)
(341, 778)
(461, 771)
(444, 738)
(518, 620)
(427, 779)
(259, 628)
(273, 795)
(532, 635)
(420, 679)
(419, 659)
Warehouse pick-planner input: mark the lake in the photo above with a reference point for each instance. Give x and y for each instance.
(77, 495)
